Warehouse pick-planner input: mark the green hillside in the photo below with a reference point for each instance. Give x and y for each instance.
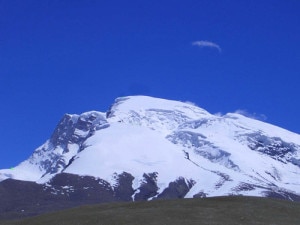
(207, 211)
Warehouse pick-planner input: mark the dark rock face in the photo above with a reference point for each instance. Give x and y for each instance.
(283, 195)
(244, 187)
(200, 194)
(176, 189)
(63, 131)
(148, 188)
(72, 129)
(274, 147)
(81, 188)
(76, 129)
(123, 190)
(271, 192)
(24, 198)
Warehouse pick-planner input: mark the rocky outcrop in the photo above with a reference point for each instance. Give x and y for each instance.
(25, 198)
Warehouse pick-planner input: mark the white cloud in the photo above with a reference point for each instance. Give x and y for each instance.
(190, 103)
(219, 114)
(256, 116)
(208, 44)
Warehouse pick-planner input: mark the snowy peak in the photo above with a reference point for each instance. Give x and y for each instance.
(154, 113)
(140, 142)
(138, 103)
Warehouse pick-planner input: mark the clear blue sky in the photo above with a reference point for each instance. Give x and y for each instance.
(61, 56)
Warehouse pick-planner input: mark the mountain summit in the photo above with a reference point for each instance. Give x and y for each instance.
(145, 148)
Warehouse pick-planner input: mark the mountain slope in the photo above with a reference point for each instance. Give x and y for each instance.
(145, 148)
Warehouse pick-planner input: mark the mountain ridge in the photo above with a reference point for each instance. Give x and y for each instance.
(145, 148)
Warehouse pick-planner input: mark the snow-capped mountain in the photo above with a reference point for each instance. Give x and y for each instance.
(145, 148)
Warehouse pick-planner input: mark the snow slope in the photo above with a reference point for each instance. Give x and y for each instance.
(217, 155)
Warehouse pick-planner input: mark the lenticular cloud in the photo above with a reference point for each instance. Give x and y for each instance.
(207, 44)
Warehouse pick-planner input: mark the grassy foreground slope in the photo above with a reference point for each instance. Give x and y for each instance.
(212, 211)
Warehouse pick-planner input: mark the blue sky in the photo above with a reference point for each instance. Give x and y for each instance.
(60, 56)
